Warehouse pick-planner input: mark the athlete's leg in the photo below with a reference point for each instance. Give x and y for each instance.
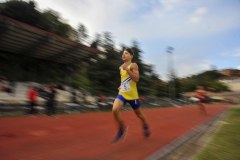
(135, 104)
(202, 108)
(116, 111)
(140, 116)
(116, 114)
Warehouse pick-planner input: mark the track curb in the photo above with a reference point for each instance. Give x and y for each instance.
(168, 149)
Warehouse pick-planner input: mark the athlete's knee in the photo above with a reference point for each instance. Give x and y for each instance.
(115, 110)
(139, 113)
(141, 116)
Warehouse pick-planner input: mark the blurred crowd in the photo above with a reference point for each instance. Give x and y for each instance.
(35, 96)
(54, 97)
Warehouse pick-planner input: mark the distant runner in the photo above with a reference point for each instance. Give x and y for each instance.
(201, 95)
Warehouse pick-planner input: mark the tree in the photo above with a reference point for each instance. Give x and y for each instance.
(82, 33)
(56, 25)
(208, 79)
(145, 70)
(73, 34)
(82, 81)
(108, 42)
(97, 41)
(24, 12)
(159, 87)
(49, 20)
(104, 72)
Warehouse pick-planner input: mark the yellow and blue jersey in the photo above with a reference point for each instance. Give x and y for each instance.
(128, 88)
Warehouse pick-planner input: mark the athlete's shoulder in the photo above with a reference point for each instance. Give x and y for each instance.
(134, 65)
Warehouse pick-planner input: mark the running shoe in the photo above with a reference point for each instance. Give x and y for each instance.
(146, 131)
(120, 134)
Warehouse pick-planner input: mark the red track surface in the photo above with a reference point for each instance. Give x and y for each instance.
(89, 136)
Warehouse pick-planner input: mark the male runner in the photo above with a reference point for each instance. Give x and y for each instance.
(128, 94)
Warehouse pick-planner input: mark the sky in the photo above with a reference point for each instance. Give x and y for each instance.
(205, 34)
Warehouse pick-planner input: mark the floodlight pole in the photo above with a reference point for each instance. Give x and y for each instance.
(172, 90)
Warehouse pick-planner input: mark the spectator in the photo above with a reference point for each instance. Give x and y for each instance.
(51, 102)
(102, 98)
(74, 96)
(32, 97)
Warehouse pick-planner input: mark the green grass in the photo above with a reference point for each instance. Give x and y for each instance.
(225, 144)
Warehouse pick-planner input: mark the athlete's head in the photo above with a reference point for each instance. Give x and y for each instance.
(127, 55)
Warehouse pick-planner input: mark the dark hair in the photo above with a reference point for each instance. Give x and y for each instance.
(129, 50)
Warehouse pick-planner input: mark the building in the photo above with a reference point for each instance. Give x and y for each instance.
(231, 73)
(231, 79)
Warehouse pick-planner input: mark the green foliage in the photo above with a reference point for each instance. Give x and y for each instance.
(55, 24)
(82, 32)
(217, 86)
(188, 84)
(178, 88)
(23, 68)
(97, 41)
(102, 76)
(208, 79)
(159, 87)
(105, 73)
(107, 41)
(25, 12)
(145, 71)
(82, 81)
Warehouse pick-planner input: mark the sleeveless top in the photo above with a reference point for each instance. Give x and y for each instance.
(128, 87)
(200, 93)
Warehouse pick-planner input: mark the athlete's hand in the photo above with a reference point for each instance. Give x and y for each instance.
(125, 67)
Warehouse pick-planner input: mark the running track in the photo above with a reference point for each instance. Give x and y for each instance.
(88, 136)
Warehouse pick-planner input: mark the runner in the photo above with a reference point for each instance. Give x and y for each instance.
(201, 95)
(128, 94)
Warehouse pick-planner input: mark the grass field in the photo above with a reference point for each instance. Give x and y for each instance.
(225, 143)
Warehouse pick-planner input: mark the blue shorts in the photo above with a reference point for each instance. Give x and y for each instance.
(135, 104)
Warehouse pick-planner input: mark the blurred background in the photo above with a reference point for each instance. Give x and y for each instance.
(39, 47)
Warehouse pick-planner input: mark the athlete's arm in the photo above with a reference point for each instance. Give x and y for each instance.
(133, 72)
